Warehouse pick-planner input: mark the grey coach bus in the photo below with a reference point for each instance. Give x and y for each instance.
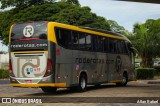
(52, 55)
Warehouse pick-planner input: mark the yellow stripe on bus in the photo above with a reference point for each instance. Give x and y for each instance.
(52, 37)
(115, 81)
(10, 33)
(63, 85)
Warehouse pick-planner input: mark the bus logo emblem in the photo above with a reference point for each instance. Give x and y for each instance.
(28, 31)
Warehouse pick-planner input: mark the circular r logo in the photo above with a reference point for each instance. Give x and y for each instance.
(28, 31)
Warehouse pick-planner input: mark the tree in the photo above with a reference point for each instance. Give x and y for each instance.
(62, 12)
(115, 27)
(146, 39)
(21, 4)
(71, 1)
(80, 17)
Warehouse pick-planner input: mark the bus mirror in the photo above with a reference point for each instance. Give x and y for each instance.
(134, 50)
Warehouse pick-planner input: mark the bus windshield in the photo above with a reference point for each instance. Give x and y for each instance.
(30, 30)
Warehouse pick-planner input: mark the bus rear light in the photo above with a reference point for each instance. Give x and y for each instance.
(49, 64)
(11, 69)
(10, 64)
(49, 70)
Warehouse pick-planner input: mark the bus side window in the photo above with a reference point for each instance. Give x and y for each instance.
(105, 44)
(88, 42)
(94, 43)
(82, 41)
(100, 44)
(115, 46)
(124, 49)
(119, 47)
(130, 52)
(75, 40)
(111, 45)
(64, 38)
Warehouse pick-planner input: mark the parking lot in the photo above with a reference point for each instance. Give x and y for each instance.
(139, 88)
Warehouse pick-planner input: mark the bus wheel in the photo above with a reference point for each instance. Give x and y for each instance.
(82, 83)
(124, 80)
(49, 89)
(97, 85)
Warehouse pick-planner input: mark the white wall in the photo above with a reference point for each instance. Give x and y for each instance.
(4, 58)
(4, 61)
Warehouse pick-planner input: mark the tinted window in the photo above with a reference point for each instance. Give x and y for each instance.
(124, 49)
(106, 45)
(111, 45)
(119, 47)
(75, 40)
(64, 38)
(100, 42)
(88, 42)
(82, 41)
(29, 30)
(94, 43)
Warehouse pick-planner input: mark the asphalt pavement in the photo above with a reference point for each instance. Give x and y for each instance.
(154, 81)
(4, 81)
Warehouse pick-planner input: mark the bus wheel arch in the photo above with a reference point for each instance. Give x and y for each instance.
(82, 83)
(124, 79)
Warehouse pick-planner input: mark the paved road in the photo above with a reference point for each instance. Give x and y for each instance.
(6, 81)
(135, 90)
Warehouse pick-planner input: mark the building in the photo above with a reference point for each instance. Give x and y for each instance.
(4, 61)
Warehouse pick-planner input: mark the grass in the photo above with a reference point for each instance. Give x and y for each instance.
(157, 77)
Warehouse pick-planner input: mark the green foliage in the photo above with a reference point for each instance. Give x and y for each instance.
(73, 1)
(62, 12)
(157, 68)
(4, 73)
(145, 73)
(21, 4)
(146, 39)
(115, 27)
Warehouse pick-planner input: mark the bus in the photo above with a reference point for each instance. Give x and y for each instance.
(51, 55)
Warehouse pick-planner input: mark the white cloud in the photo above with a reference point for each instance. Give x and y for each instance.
(125, 13)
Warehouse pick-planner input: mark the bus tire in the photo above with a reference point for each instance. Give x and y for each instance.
(124, 80)
(82, 86)
(97, 85)
(49, 89)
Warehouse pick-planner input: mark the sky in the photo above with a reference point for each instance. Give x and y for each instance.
(124, 13)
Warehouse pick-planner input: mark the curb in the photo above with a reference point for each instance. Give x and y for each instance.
(153, 82)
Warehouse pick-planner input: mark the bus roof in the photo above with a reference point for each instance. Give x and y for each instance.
(101, 30)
